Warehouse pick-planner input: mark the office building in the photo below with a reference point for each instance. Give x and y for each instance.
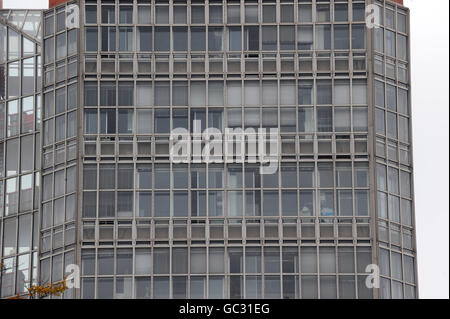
(87, 177)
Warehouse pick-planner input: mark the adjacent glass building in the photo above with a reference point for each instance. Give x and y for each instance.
(119, 75)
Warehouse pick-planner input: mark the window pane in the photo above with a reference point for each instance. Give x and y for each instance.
(234, 38)
(180, 39)
(341, 37)
(198, 38)
(269, 38)
(323, 37)
(144, 39)
(215, 39)
(162, 38)
(91, 39)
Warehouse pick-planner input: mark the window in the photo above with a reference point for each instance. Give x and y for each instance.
(358, 11)
(124, 264)
(215, 93)
(105, 261)
(324, 119)
(180, 118)
(401, 22)
(143, 206)
(341, 92)
(144, 121)
(13, 118)
(402, 47)
(14, 45)
(108, 14)
(342, 119)
(215, 206)
(180, 204)
(379, 93)
(324, 95)
(359, 92)
(162, 93)
(126, 38)
(270, 203)
(360, 119)
(144, 94)
(144, 14)
(251, 93)
(72, 96)
(179, 14)
(269, 38)
(28, 79)
(27, 114)
(403, 101)
(90, 94)
(341, 37)
(251, 38)
(107, 93)
(144, 38)
(60, 128)
(91, 39)
(126, 117)
(271, 260)
(269, 14)
(162, 38)
(304, 37)
(60, 46)
(379, 39)
(358, 36)
(107, 204)
(198, 38)
(233, 14)
(362, 203)
(197, 14)
(215, 39)
(108, 39)
(161, 262)
(13, 79)
(234, 38)
(126, 14)
(304, 13)
(289, 203)
(288, 120)
(287, 13)
(162, 204)
(327, 259)
(162, 14)
(144, 176)
(326, 203)
(391, 127)
(323, 37)
(179, 260)
(322, 13)
(287, 37)
(251, 14)
(390, 43)
(340, 12)
(180, 39)
(126, 93)
(60, 100)
(391, 97)
(307, 203)
(90, 121)
(215, 14)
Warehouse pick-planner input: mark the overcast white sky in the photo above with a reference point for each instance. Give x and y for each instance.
(430, 103)
(430, 107)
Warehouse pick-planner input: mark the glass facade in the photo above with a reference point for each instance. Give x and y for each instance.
(20, 151)
(393, 163)
(141, 226)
